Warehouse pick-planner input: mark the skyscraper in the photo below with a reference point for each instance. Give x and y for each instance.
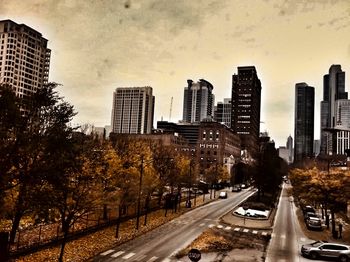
(245, 114)
(198, 101)
(333, 90)
(222, 112)
(24, 58)
(304, 121)
(133, 110)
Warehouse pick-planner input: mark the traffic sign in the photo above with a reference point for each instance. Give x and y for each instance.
(194, 255)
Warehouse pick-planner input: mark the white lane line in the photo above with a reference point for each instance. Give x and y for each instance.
(303, 239)
(128, 255)
(107, 252)
(140, 258)
(245, 230)
(118, 254)
(227, 228)
(219, 226)
(283, 236)
(255, 232)
(152, 259)
(202, 224)
(166, 260)
(211, 225)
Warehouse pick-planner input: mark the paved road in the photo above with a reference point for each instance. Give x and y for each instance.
(287, 236)
(162, 243)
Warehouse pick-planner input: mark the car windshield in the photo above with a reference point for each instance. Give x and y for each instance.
(316, 243)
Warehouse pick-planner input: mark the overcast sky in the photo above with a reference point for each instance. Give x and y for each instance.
(100, 45)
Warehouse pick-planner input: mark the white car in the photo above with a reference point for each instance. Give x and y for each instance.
(223, 194)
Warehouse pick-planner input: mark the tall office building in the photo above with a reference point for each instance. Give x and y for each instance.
(222, 112)
(198, 101)
(133, 110)
(286, 152)
(24, 58)
(304, 121)
(245, 114)
(333, 90)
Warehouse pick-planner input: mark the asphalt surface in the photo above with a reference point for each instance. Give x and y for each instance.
(287, 236)
(161, 244)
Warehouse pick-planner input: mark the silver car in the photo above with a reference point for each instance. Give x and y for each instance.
(330, 250)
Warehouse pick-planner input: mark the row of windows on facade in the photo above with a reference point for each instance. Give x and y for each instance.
(25, 61)
(10, 66)
(11, 28)
(38, 55)
(34, 55)
(25, 76)
(21, 37)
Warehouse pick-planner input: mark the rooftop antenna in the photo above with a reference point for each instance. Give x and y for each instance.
(171, 107)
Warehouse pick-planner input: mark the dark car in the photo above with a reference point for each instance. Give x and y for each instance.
(236, 188)
(319, 249)
(308, 215)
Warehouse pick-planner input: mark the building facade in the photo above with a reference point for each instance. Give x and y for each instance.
(333, 90)
(198, 101)
(245, 114)
(133, 110)
(287, 152)
(222, 112)
(304, 121)
(24, 58)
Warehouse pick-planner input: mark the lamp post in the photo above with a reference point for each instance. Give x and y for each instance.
(189, 186)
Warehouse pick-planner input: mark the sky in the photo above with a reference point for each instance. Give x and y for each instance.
(100, 45)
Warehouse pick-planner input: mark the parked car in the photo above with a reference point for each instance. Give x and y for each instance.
(243, 186)
(308, 215)
(329, 250)
(307, 209)
(223, 194)
(236, 188)
(314, 223)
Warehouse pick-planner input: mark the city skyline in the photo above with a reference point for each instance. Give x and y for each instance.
(97, 47)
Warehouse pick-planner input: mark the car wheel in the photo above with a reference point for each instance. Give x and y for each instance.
(313, 255)
(343, 259)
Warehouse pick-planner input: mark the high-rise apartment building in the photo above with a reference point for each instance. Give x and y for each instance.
(24, 58)
(333, 90)
(245, 114)
(133, 110)
(287, 152)
(222, 112)
(304, 121)
(198, 101)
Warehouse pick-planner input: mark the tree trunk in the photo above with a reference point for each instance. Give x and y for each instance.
(105, 211)
(333, 221)
(118, 222)
(15, 225)
(65, 228)
(146, 209)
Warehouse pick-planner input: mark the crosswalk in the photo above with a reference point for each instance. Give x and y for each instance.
(132, 256)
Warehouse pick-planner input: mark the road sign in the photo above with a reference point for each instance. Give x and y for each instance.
(194, 255)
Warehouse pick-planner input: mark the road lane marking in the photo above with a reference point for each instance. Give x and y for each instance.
(152, 259)
(166, 260)
(140, 258)
(255, 232)
(283, 236)
(219, 226)
(107, 252)
(128, 255)
(245, 230)
(118, 254)
(202, 224)
(303, 239)
(227, 228)
(237, 229)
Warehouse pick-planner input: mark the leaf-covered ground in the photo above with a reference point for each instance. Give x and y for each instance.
(88, 246)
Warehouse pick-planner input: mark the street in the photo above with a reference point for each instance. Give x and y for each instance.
(287, 236)
(164, 242)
